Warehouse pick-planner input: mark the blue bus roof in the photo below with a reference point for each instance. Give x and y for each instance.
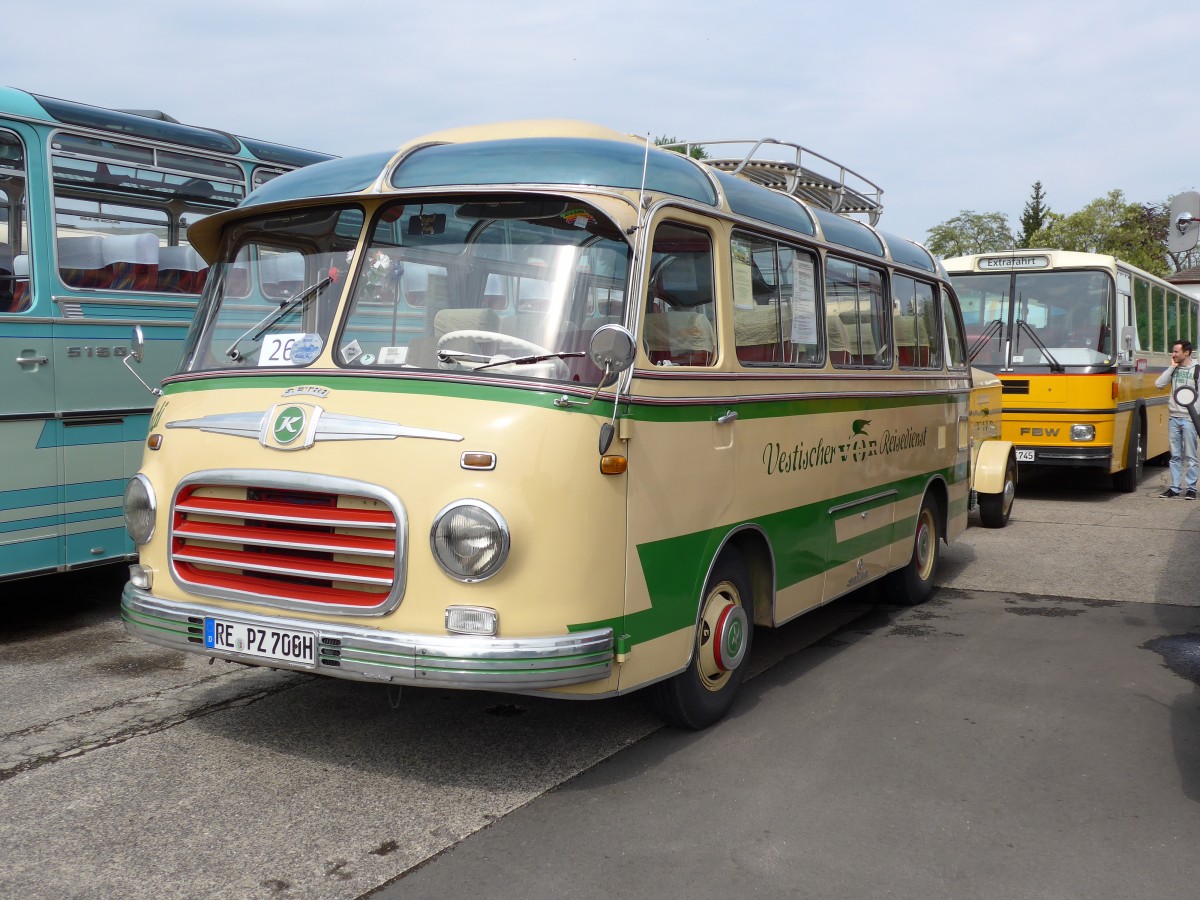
(158, 127)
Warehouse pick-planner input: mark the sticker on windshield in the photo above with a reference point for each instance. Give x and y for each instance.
(307, 349)
(393, 356)
(278, 349)
(351, 352)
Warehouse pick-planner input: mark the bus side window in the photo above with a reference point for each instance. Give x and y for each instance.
(854, 297)
(956, 351)
(914, 324)
(680, 319)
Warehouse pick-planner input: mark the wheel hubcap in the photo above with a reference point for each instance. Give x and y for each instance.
(923, 551)
(722, 636)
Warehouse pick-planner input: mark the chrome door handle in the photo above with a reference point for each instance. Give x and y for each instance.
(727, 418)
(35, 360)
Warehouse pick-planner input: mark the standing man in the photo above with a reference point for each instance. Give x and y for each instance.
(1180, 430)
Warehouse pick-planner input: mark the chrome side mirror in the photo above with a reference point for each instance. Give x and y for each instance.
(612, 349)
(138, 344)
(137, 352)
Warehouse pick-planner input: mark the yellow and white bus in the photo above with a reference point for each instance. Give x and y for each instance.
(1077, 339)
(550, 411)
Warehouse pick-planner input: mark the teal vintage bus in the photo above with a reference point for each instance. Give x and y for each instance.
(94, 210)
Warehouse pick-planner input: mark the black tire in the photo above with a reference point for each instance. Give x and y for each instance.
(994, 509)
(914, 583)
(704, 692)
(1126, 481)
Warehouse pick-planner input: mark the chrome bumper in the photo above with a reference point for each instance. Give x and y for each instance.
(368, 654)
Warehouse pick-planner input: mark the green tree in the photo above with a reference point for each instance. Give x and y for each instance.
(1034, 216)
(697, 152)
(1110, 224)
(970, 232)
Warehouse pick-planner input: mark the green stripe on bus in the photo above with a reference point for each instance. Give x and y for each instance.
(640, 409)
(803, 539)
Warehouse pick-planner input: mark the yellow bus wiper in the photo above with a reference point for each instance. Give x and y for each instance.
(1055, 365)
(976, 348)
(260, 328)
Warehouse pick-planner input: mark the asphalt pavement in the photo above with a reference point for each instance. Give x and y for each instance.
(1030, 732)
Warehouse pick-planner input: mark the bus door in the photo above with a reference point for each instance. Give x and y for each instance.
(682, 462)
(102, 419)
(30, 513)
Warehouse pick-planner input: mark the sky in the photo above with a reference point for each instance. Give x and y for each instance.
(946, 106)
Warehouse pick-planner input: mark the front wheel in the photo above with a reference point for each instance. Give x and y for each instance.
(704, 692)
(914, 583)
(994, 509)
(1126, 481)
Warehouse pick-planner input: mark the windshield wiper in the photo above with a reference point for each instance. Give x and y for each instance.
(260, 328)
(529, 360)
(993, 326)
(490, 360)
(1055, 365)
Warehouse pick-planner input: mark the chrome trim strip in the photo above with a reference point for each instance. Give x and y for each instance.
(364, 653)
(329, 427)
(201, 510)
(853, 503)
(246, 563)
(195, 532)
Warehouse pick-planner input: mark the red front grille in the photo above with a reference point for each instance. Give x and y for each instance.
(285, 545)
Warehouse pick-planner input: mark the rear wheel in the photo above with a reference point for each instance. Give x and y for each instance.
(914, 583)
(1126, 481)
(994, 509)
(703, 692)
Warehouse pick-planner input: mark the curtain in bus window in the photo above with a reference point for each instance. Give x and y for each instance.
(756, 309)
(914, 324)
(680, 323)
(855, 314)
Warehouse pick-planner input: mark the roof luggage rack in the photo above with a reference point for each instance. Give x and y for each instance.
(830, 185)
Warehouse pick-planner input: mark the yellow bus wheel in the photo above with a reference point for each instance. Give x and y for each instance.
(703, 692)
(1126, 481)
(994, 509)
(914, 583)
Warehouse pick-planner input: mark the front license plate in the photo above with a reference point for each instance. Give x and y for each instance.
(1025, 455)
(267, 643)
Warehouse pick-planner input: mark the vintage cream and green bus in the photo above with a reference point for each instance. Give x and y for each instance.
(549, 411)
(1077, 340)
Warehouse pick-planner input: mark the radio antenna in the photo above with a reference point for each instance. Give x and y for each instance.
(642, 192)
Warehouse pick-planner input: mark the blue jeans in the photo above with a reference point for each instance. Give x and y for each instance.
(1182, 434)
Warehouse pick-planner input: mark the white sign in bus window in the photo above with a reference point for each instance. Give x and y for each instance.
(743, 279)
(277, 349)
(804, 301)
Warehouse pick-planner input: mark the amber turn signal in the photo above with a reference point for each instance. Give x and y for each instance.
(613, 465)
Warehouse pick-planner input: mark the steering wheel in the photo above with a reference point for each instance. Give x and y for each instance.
(553, 368)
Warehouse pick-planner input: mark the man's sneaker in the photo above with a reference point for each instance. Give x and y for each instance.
(1171, 494)
(1190, 494)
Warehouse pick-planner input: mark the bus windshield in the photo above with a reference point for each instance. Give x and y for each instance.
(508, 286)
(1038, 318)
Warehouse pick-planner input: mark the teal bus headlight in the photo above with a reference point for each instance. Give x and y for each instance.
(469, 540)
(140, 509)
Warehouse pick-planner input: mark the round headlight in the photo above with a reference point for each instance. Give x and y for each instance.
(469, 540)
(140, 509)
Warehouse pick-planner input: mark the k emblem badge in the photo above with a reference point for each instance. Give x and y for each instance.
(290, 426)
